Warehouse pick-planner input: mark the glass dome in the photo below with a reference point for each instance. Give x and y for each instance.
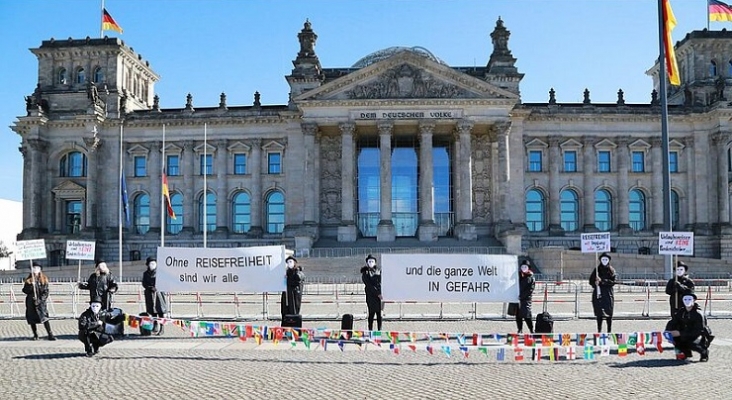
(388, 52)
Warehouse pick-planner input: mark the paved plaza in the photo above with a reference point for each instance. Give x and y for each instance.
(179, 366)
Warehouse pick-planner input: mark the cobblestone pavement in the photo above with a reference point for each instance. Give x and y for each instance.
(174, 365)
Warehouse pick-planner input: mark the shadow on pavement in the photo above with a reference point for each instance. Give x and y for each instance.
(650, 363)
(50, 356)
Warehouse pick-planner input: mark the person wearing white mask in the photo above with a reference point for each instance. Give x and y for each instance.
(526, 292)
(678, 286)
(688, 328)
(292, 297)
(35, 288)
(602, 281)
(91, 328)
(156, 304)
(371, 277)
(101, 285)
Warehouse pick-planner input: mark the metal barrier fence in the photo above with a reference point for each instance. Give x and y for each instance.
(329, 299)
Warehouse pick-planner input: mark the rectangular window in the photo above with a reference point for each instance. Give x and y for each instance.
(240, 164)
(603, 161)
(534, 161)
(570, 161)
(173, 165)
(673, 162)
(206, 166)
(73, 216)
(140, 169)
(639, 161)
(274, 163)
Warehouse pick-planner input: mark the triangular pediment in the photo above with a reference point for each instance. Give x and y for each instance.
(209, 149)
(571, 144)
(407, 76)
(536, 144)
(605, 144)
(69, 190)
(138, 150)
(173, 149)
(676, 145)
(239, 147)
(640, 144)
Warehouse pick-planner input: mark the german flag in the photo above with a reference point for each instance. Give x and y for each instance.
(166, 194)
(108, 23)
(719, 11)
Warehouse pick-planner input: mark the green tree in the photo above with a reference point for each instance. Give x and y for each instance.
(4, 250)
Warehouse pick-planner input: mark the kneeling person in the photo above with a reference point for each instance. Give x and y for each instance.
(91, 328)
(688, 327)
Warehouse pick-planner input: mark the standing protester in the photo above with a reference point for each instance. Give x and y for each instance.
(91, 328)
(679, 286)
(35, 288)
(101, 285)
(688, 329)
(602, 281)
(292, 298)
(526, 291)
(156, 304)
(371, 277)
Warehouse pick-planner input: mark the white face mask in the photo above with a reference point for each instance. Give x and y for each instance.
(680, 271)
(604, 261)
(152, 265)
(524, 268)
(290, 264)
(96, 307)
(36, 270)
(371, 263)
(688, 301)
(103, 268)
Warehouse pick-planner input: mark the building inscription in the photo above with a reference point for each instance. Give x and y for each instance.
(407, 114)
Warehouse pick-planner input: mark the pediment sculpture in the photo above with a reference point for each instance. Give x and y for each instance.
(406, 81)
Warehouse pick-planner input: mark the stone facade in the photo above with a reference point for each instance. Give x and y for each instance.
(292, 173)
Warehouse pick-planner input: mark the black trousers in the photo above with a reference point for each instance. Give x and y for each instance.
(94, 340)
(687, 346)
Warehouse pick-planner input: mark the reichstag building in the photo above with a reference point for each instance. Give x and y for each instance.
(399, 149)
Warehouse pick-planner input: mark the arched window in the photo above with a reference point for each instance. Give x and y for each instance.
(61, 76)
(603, 210)
(535, 207)
(73, 165)
(712, 69)
(675, 210)
(241, 213)
(637, 210)
(210, 212)
(175, 225)
(80, 75)
(142, 214)
(275, 212)
(569, 210)
(98, 75)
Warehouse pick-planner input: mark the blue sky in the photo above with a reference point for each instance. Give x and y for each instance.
(206, 47)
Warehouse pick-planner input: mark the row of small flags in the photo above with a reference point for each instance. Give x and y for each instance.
(552, 346)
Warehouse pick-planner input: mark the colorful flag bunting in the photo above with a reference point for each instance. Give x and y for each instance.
(500, 355)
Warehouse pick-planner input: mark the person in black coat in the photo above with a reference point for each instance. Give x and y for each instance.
(602, 281)
(101, 285)
(678, 286)
(156, 303)
(35, 288)
(371, 277)
(91, 328)
(292, 298)
(688, 329)
(526, 292)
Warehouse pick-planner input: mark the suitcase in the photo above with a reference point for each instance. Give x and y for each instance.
(544, 320)
(292, 321)
(146, 325)
(114, 322)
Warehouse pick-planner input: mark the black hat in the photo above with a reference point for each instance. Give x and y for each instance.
(606, 255)
(147, 262)
(99, 261)
(370, 257)
(291, 258)
(36, 264)
(682, 264)
(96, 299)
(526, 262)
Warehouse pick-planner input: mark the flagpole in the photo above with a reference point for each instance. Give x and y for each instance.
(101, 22)
(163, 209)
(120, 194)
(664, 129)
(205, 188)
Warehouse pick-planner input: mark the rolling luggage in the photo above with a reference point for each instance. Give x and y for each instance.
(544, 320)
(292, 321)
(347, 322)
(114, 322)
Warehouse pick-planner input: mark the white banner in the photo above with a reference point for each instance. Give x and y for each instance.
(595, 242)
(78, 250)
(30, 249)
(449, 277)
(243, 269)
(681, 243)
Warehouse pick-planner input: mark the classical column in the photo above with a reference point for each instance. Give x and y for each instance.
(27, 165)
(256, 229)
(155, 183)
(623, 158)
(690, 182)
(37, 148)
(502, 174)
(720, 143)
(427, 230)
(309, 131)
(222, 186)
(385, 231)
(347, 231)
(588, 201)
(465, 229)
(703, 182)
(555, 160)
(189, 202)
(58, 225)
(657, 184)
